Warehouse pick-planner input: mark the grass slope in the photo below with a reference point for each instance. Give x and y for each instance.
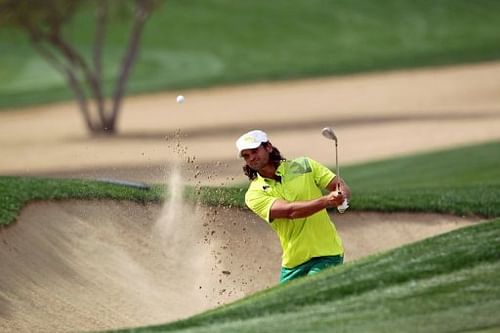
(189, 43)
(448, 283)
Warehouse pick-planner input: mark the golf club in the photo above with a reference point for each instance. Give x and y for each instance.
(328, 133)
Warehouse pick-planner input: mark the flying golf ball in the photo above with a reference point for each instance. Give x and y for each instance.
(180, 99)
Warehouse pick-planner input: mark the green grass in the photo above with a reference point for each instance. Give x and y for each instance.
(462, 181)
(190, 43)
(16, 192)
(443, 284)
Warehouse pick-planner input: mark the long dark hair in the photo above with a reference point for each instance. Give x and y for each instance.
(274, 156)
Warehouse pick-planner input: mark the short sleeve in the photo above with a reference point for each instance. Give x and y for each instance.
(260, 203)
(322, 175)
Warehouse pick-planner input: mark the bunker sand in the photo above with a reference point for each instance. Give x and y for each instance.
(84, 265)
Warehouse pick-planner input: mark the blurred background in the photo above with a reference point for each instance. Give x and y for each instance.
(88, 88)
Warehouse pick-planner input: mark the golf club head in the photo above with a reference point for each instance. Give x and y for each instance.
(328, 133)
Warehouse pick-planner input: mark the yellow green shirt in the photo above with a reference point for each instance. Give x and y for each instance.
(302, 238)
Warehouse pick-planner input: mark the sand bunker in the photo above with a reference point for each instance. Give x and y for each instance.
(75, 265)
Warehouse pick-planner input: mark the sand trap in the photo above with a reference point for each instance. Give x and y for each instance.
(75, 265)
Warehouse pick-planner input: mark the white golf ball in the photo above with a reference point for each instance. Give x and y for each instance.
(180, 99)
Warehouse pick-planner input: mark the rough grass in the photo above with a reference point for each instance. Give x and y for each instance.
(210, 42)
(15, 192)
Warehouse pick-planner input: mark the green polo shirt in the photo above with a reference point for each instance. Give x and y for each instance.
(301, 238)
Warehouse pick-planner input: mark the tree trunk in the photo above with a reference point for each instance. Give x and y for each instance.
(101, 23)
(84, 78)
(142, 11)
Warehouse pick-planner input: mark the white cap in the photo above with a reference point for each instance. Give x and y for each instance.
(251, 140)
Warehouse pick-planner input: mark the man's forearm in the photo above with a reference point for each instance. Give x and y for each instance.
(300, 209)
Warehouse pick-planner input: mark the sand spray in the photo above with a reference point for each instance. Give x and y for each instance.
(193, 232)
(172, 210)
(179, 225)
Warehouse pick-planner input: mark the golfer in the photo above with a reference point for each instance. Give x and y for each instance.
(287, 194)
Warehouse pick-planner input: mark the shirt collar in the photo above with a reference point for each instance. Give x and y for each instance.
(280, 171)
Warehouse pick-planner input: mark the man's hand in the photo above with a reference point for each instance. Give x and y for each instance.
(336, 197)
(339, 185)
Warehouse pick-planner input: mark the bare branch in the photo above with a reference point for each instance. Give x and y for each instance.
(58, 42)
(70, 76)
(102, 14)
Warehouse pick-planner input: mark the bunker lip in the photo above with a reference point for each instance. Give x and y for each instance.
(103, 266)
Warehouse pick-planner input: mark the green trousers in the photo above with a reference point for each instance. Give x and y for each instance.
(310, 267)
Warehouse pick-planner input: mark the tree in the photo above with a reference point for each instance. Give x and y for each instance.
(43, 22)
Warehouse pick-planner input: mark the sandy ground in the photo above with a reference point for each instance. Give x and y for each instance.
(97, 265)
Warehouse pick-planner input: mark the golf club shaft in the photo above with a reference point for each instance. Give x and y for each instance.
(328, 133)
(337, 168)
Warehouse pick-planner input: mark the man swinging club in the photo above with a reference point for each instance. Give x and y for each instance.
(288, 195)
